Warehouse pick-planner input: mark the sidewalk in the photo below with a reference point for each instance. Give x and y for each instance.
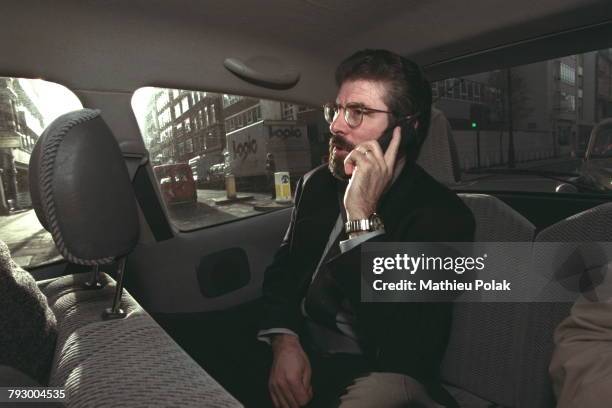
(30, 244)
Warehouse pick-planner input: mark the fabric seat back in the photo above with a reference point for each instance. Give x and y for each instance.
(82, 194)
(483, 349)
(578, 233)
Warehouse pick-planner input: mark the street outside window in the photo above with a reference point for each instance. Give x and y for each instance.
(229, 165)
(27, 107)
(536, 118)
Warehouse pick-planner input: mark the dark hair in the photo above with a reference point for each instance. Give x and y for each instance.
(408, 91)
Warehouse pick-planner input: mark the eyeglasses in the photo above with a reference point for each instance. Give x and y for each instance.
(353, 112)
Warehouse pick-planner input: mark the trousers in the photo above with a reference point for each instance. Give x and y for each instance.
(344, 381)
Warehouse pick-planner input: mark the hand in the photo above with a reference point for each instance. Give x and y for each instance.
(371, 172)
(289, 382)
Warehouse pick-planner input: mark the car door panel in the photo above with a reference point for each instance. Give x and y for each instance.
(185, 274)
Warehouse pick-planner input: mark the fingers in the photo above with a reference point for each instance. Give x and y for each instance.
(391, 153)
(278, 403)
(291, 392)
(306, 376)
(282, 397)
(273, 398)
(368, 155)
(372, 151)
(354, 158)
(300, 394)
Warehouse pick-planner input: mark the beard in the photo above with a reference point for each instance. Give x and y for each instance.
(336, 163)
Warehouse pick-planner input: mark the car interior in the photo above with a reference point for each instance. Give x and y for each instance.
(152, 310)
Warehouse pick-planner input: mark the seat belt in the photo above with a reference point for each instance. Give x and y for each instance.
(146, 195)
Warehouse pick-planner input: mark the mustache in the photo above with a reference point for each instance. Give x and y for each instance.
(341, 143)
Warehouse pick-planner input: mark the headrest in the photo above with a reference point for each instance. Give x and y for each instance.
(81, 190)
(438, 155)
(581, 251)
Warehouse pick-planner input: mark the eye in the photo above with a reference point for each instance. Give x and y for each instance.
(354, 111)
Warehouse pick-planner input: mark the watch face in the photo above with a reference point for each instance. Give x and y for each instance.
(375, 222)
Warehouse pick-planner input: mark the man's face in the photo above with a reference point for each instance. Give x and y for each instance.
(344, 138)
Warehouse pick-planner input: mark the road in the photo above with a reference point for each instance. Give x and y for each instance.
(205, 212)
(31, 245)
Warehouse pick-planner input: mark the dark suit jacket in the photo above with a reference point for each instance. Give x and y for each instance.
(408, 338)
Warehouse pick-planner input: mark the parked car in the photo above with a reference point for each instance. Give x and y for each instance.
(597, 167)
(176, 183)
(216, 174)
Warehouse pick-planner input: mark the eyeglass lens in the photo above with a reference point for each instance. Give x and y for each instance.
(352, 115)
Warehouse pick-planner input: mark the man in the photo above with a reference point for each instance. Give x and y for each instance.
(328, 348)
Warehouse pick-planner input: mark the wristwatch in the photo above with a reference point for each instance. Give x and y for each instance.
(372, 223)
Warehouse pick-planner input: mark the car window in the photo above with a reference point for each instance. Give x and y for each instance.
(220, 157)
(527, 128)
(27, 106)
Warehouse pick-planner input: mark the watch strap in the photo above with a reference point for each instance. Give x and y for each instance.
(372, 223)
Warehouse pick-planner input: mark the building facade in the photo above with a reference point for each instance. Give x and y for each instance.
(18, 116)
(552, 107)
(183, 124)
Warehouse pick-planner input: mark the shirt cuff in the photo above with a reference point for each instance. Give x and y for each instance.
(351, 243)
(266, 335)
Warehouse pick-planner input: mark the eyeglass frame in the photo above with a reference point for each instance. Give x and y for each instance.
(363, 110)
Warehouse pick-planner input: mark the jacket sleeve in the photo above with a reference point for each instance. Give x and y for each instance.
(280, 287)
(404, 337)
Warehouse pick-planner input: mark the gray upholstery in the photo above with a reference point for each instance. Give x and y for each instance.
(482, 353)
(592, 225)
(500, 352)
(541, 319)
(496, 221)
(438, 155)
(83, 195)
(81, 188)
(125, 362)
(27, 324)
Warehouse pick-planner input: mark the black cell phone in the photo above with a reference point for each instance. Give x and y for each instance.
(385, 139)
(405, 134)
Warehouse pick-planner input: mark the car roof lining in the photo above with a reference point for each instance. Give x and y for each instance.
(118, 46)
(584, 39)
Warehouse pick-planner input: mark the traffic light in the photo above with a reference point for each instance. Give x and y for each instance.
(479, 115)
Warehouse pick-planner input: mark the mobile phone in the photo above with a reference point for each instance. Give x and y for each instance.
(405, 135)
(385, 139)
